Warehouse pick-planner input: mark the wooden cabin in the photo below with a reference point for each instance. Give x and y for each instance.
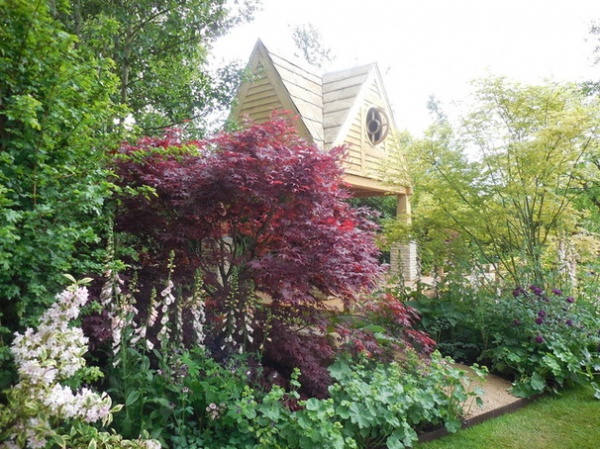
(347, 107)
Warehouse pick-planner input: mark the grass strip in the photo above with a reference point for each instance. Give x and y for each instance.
(569, 420)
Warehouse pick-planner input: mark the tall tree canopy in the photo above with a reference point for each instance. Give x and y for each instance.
(68, 69)
(160, 51)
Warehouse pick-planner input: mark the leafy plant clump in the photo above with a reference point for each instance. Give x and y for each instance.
(370, 404)
(545, 341)
(541, 340)
(56, 105)
(185, 398)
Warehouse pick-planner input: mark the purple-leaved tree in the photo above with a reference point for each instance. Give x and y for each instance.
(260, 213)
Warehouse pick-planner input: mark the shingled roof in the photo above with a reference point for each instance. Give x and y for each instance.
(341, 93)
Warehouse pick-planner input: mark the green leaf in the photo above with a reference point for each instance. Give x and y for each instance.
(132, 398)
(596, 389)
(453, 425)
(515, 358)
(160, 401)
(60, 440)
(537, 382)
(375, 328)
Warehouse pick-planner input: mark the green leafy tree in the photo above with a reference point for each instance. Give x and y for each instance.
(533, 141)
(160, 50)
(506, 185)
(435, 207)
(54, 107)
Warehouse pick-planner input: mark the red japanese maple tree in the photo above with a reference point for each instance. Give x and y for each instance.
(261, 202)
(258, 210)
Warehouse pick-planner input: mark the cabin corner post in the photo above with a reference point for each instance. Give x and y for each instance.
(403, 255)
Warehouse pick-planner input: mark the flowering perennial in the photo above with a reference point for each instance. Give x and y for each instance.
(46, 357)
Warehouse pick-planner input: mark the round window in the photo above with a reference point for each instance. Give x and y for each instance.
(377, 125)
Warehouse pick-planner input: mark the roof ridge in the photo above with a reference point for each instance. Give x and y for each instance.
(295, 61)
(370, 65)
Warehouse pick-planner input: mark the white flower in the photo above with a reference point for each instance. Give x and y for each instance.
(36, 441)
(37, 374)
(35, 429)
(166, 293)
(152, 444)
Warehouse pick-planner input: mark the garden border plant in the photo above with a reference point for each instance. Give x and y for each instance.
(42, 408)
(197, 402)
(541, 340)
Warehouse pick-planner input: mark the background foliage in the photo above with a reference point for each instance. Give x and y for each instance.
(500, 188)
(54, 109)
(160, 50)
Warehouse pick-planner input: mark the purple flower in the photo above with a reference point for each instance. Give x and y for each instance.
(517, 291)
(542, 314)
(570, 300)
(517, 322)
(539, 339)
(569, 322)
(557, 292)
(536, 290)
(539, 320)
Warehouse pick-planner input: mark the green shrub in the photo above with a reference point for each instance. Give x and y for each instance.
(372, 405)
(544, 340)
(539, 340)
(385, 405)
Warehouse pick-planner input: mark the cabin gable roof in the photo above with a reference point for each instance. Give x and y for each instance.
(333, 109)
(281, 84)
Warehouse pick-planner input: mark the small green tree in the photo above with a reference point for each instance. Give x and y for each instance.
(439, 171)
(533, 140)
(506, 184)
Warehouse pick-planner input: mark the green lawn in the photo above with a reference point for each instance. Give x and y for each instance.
(567, 421)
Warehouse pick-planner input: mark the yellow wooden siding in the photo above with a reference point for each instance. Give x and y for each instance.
(260, 101)
(366, 158)
(258, 89)
(353, 161)
(355, 132)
